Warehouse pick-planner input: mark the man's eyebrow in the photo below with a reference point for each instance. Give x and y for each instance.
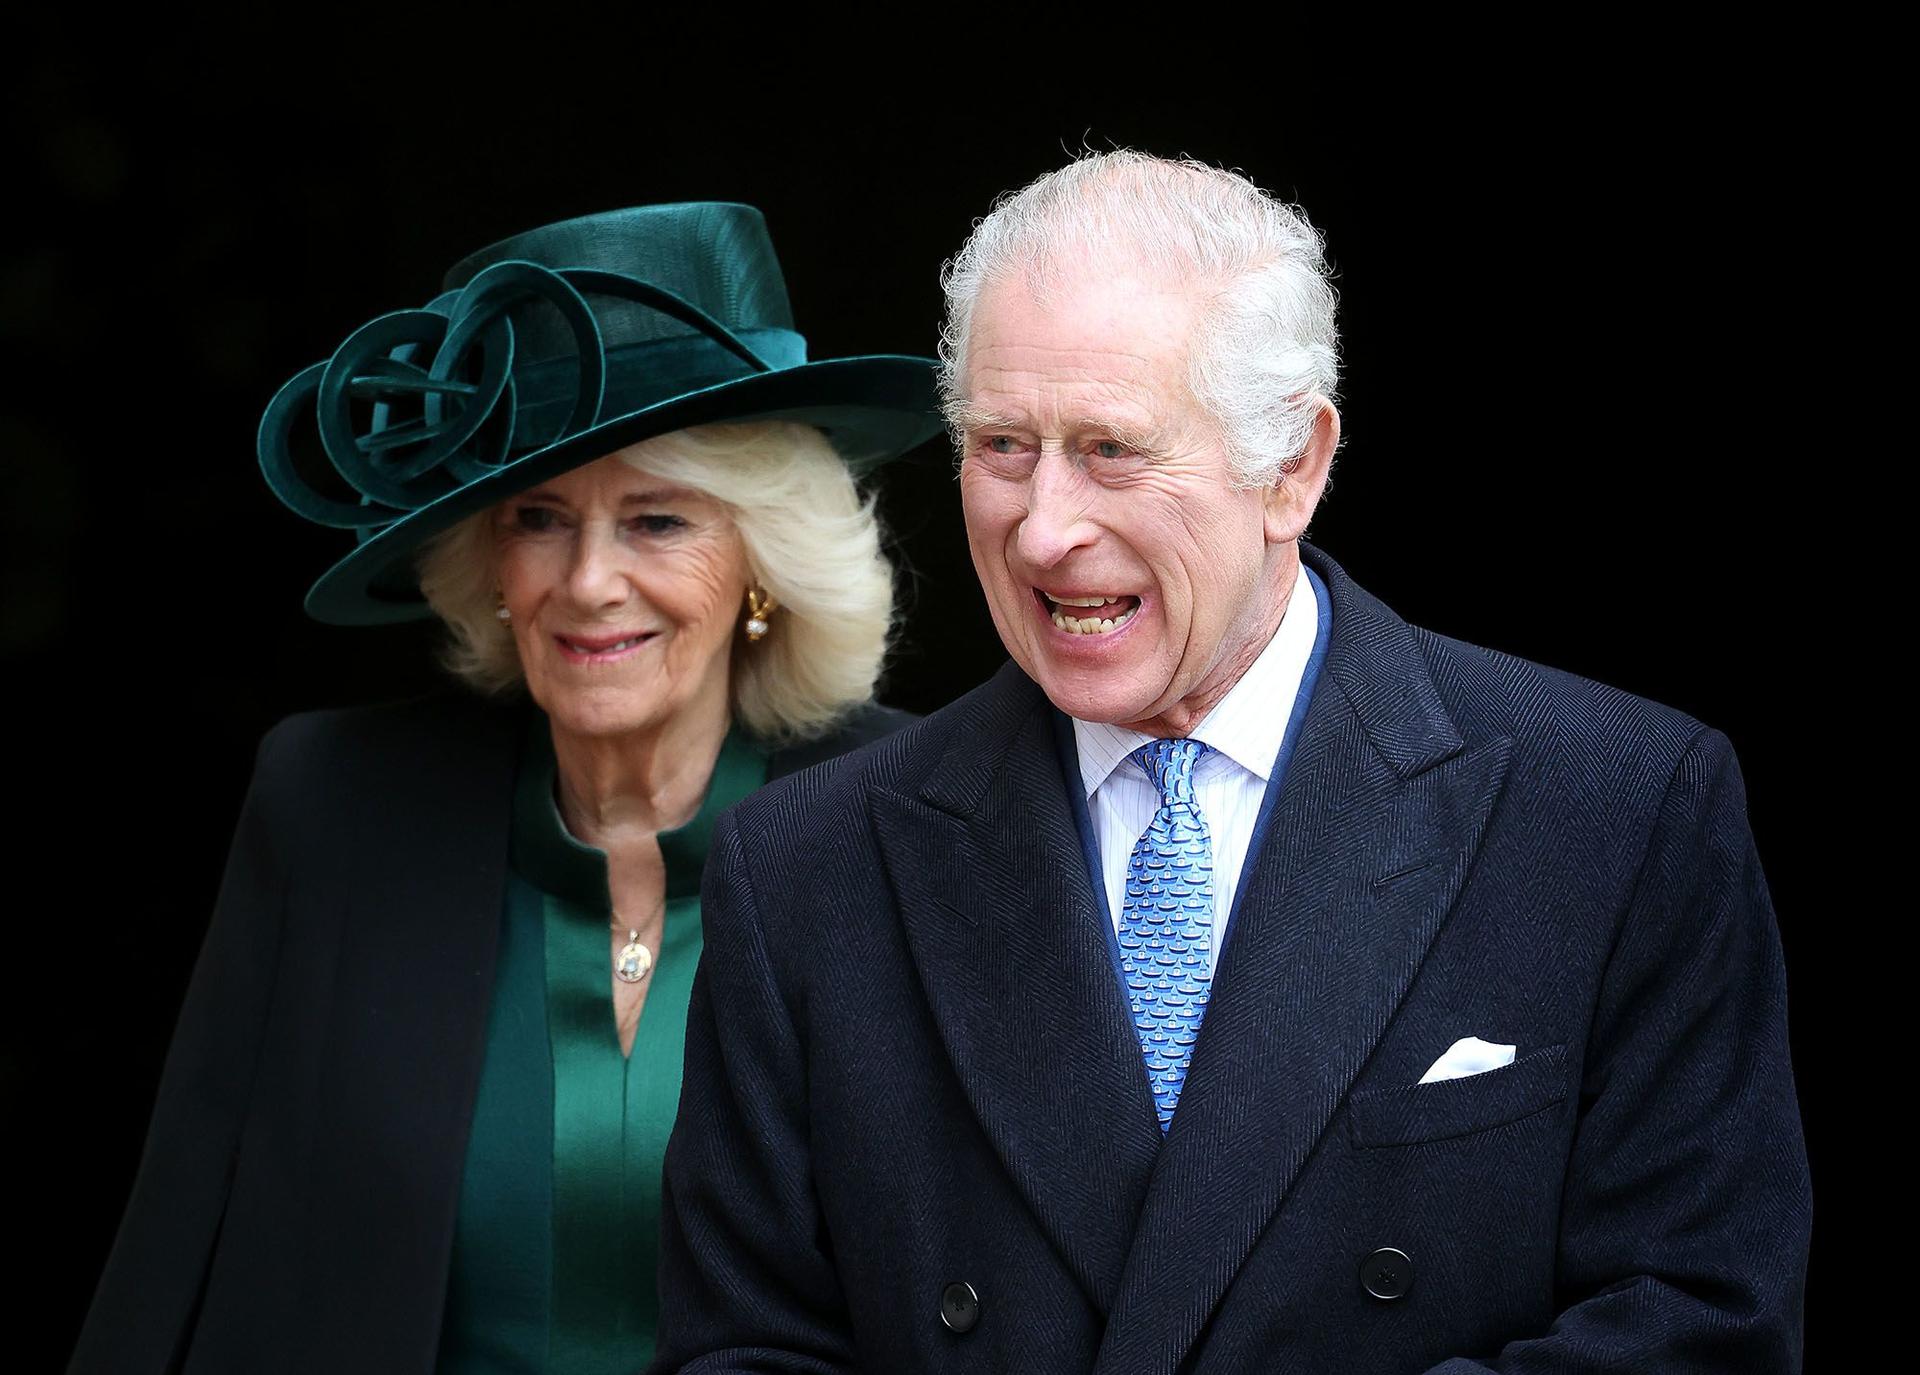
(1150, 440)
(966, 415)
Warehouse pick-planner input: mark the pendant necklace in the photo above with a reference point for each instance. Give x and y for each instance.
(634, 962)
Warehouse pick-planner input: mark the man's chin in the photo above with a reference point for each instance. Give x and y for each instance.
(1105, 703)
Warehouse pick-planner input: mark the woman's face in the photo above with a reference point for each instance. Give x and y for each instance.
(625, 590)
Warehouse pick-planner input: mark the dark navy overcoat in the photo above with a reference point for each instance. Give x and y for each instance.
(916, 1135)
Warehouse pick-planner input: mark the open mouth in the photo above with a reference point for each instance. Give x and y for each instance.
(1099, 613)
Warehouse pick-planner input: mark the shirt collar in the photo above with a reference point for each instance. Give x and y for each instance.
(1249, 723)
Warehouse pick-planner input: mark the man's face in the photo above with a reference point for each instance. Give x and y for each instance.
(1124, 572)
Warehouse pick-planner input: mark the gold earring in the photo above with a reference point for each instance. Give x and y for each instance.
(759, 607)
(500, 612)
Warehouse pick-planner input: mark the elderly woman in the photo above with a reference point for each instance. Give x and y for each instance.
(414, 1112)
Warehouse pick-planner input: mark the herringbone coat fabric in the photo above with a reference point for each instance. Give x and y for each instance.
(910, 1062)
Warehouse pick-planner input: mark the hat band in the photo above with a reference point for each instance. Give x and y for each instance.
(639, 376)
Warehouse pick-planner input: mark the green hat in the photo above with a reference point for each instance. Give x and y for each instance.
(552, 349)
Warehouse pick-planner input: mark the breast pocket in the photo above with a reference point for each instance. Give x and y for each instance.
(1459, 1107)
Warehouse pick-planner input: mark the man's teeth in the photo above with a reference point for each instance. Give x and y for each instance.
(1090, 625)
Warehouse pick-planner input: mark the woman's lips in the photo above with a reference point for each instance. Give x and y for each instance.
(600, 649)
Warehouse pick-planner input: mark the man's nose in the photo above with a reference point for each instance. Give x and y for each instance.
(1056, 522)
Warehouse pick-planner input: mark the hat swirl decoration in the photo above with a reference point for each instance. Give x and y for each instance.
(467, 428)
(547, 355)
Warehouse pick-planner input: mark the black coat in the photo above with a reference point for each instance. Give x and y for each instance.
(910, 1065)
(294, 1209)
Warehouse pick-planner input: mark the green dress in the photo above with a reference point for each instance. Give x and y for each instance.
(557, 1238)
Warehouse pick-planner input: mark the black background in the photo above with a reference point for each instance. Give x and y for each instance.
(1574, 409)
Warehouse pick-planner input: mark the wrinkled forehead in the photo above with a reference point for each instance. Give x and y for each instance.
(1086, 324)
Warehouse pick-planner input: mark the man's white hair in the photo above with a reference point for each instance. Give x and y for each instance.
(1264, 348)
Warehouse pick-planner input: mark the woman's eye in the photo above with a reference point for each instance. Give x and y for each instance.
(534, 519)
(658, 524)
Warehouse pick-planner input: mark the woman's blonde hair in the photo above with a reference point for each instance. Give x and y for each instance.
(812, 541)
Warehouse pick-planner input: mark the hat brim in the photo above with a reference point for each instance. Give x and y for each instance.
(872, 409)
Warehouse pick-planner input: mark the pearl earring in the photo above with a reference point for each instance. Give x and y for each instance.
(500, 612)
(759, 607)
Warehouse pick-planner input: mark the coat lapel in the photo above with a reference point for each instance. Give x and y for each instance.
(1000, 916)
(1379, 816)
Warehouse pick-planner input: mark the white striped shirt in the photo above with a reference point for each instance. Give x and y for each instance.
(1245, 730)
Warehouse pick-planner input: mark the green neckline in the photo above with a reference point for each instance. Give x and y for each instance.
(547, 855)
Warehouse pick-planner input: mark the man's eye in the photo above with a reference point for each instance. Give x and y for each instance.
(1107, 448)
(1002, 443)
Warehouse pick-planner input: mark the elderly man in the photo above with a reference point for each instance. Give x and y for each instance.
(1243, 979)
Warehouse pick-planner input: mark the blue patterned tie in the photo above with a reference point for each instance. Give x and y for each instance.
(1166, 921)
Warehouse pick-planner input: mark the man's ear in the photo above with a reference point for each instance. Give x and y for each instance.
(1291, 500)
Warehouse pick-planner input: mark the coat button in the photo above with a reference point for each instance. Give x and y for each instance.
(959, 1307)
(1387, 1273)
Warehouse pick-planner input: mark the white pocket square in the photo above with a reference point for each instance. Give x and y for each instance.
(1468, 1055)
